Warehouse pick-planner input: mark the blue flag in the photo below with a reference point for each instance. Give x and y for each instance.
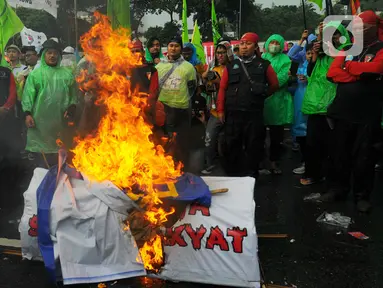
(188, 188)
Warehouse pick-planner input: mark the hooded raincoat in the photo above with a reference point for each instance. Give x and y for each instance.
(279, 108)
(48, 93)
(320, 92)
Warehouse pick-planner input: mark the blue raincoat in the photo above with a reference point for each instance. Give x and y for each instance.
(194, 59)
(299, 128)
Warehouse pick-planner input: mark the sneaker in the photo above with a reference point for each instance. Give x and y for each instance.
(300, 170)
(363, 206)
(264, 172)
(310, 181)
(378, 167)
(208, 170)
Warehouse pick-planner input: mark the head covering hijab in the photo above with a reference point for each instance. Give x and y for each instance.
(194, 58)
(370, 17)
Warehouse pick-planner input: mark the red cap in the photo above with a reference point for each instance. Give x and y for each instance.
(137, 44)
(251, 37)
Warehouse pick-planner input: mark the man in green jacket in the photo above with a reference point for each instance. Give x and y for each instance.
(49, 103)
(319, 95)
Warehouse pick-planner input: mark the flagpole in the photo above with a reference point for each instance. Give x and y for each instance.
(304, 14)
(240, 18)
(76, 23)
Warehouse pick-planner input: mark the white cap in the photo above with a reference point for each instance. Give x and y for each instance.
(69, 50)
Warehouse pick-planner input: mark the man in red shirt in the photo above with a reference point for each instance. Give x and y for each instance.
(7, 102)
(356, 114)
(245, 84)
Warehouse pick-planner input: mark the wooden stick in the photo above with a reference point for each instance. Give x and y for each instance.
(273, 236)
(219, 191)
(45, 160)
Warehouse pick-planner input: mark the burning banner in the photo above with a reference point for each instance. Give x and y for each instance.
(122, 151)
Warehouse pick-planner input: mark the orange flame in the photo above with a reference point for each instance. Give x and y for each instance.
(122, 151)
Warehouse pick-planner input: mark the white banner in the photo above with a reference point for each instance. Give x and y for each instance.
(216, 245)
(48, 5)
(32, 38)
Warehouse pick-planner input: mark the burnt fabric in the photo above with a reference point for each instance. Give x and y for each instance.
(244, 143)
(354, 158)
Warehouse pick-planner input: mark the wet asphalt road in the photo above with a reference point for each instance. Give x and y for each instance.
(313, 255)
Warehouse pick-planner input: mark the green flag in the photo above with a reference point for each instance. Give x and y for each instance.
(215, 24)
(10, 24)
(185, 30)
(119, 13)
(318, 2)
(197, 42)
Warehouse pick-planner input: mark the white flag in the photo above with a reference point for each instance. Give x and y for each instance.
(48, 5)
(32, 38)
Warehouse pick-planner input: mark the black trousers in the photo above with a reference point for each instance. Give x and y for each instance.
(276, 137)
(179, 121)
(354, 158)
(244, 143)
(317, 147)
(303, 147)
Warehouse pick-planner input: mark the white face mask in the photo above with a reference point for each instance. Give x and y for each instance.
(274, 49)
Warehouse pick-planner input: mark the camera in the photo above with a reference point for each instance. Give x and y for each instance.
(210, 86)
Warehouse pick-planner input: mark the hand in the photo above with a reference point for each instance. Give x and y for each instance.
(305, 35)
(321, 26)
(201, 116)
(302, 78)
(221, 118)
(30, 122)
(317, 47)
(157, 60)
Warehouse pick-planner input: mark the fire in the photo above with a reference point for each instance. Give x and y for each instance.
(121, 151)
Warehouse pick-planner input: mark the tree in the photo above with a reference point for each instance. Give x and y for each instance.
(153, 32)
(38, 20)
(167, 6)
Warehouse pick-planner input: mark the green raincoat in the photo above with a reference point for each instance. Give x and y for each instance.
(48, 93)
(320, 92)
(279, 108)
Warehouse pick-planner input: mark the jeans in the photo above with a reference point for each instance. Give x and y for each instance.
(213, 129)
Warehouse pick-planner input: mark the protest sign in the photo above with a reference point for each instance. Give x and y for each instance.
(48, 5)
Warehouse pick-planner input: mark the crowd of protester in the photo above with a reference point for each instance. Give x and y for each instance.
(332, 105)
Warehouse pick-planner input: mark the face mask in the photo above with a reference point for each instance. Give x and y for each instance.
(274, 49)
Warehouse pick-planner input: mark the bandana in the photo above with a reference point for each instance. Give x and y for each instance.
(251, 37)
(369, 17)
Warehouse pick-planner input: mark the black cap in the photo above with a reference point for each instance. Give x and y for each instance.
(52, 44)
(176, 39)
(25, 49)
